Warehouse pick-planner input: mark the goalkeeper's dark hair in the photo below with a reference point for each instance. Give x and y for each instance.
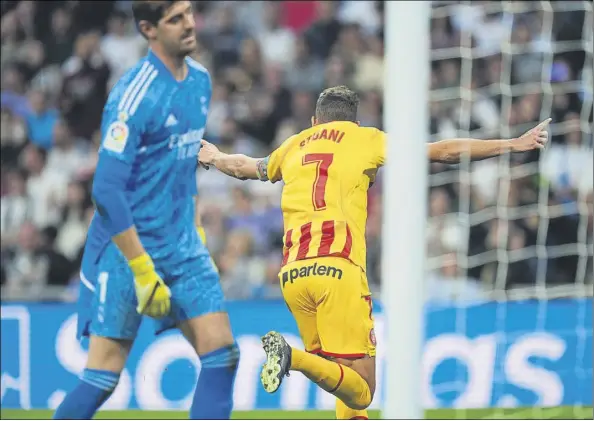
(150, 10)
(338, 103)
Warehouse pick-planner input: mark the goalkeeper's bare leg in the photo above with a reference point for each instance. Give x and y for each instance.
(350, 380)
(211, 337)
(105, 362)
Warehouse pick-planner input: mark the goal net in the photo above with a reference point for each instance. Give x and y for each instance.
(509, 240)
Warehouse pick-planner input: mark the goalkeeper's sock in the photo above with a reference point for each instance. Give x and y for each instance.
(213, 398)
(92, 391)
(343, 412)
(341, 381)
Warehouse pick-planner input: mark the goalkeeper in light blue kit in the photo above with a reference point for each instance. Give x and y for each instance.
(145, 252)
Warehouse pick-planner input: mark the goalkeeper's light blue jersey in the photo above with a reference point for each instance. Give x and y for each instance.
(155, 124)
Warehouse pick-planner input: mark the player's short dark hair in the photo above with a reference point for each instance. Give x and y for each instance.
(150, 10)
(338, 103)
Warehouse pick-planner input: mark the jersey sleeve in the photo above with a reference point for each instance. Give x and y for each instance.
(121, 129)
(378, 149)
(270, 168)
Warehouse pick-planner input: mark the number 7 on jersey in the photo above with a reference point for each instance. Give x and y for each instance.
(322, 162)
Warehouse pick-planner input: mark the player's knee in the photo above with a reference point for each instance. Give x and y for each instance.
(108, 354)
(208, 333)
(371, 385)
(362, 401)
(365, 368)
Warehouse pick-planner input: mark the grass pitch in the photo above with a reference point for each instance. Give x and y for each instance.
(561, 412)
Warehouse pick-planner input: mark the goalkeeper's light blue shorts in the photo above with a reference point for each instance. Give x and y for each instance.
(107, 299)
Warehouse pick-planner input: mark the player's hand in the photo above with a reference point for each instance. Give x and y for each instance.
(152, 293)
(208, 154)
(535, 138)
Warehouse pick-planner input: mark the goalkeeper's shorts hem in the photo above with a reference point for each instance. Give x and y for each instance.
(167, 323)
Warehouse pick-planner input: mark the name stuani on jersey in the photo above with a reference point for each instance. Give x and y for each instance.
(332, 134)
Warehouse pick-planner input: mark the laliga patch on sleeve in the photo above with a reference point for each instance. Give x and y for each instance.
(116, 137)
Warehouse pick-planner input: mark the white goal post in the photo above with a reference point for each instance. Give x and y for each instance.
(502, 257)
(407, 60)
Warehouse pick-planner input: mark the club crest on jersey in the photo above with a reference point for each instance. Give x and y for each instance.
(116, 137)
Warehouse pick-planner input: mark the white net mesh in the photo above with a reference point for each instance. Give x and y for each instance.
(518, 227)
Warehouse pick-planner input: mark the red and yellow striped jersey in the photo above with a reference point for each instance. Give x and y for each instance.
(327, 171)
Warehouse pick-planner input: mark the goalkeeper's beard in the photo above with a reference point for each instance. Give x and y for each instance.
(179, 49)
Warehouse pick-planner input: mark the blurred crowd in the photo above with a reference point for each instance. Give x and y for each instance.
(507, 223)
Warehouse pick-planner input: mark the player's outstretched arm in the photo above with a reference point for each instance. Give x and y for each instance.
(451, 150)
(238, 166)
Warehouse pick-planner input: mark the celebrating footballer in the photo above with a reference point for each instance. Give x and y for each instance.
(327, 170)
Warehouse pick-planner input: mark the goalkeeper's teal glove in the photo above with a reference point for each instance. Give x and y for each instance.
(152, 293)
